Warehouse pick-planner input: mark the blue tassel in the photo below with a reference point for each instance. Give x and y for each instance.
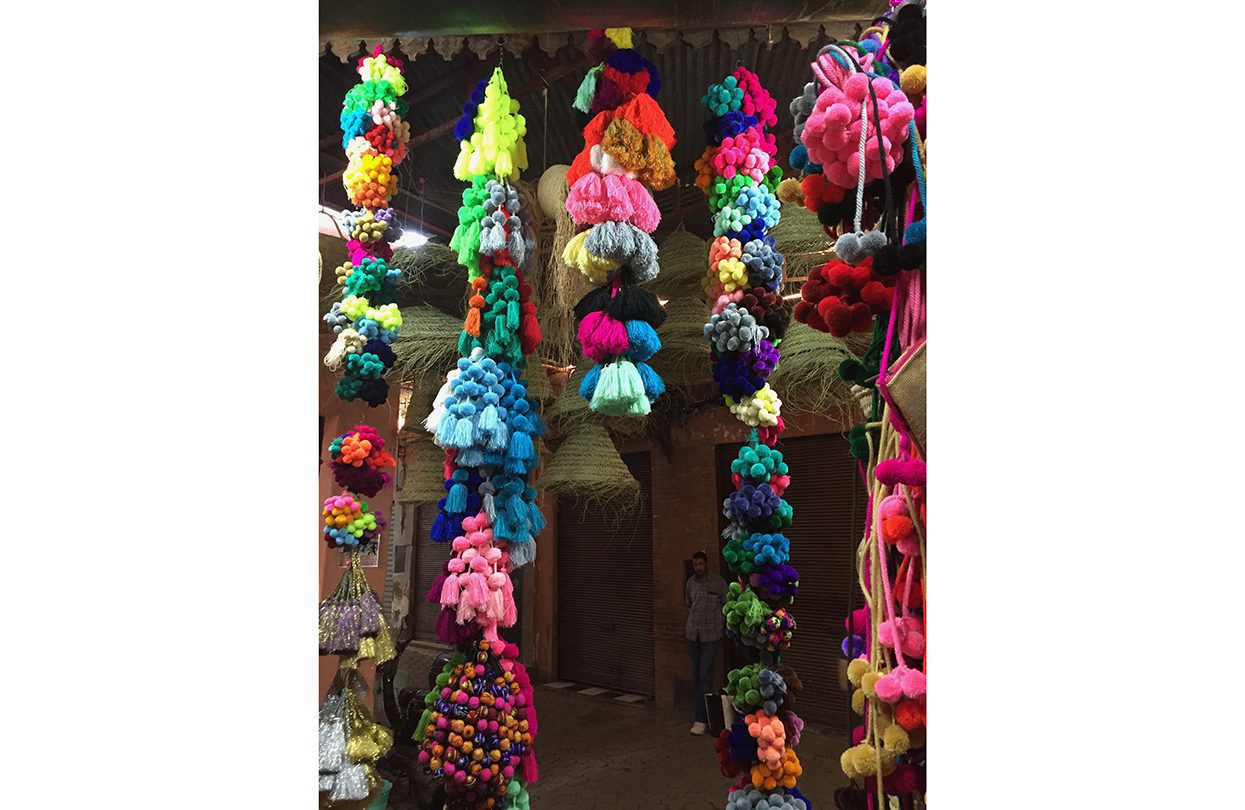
(515, 466)
(456, 503)
(538, 424)
(522, 553)
(442, 529)
(492, 458)
(470, 457)
(521, 446)
(643, 339)
(501, 525)
(499, 439)
(589, 384)
(653, 386)
(520, 424)
(487, 422)
(535, 519)
(445, 429)
(462, 434)
(516, 510)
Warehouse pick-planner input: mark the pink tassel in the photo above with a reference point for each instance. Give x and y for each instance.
(496, 605)
(449, 591)
(646, 216)
(530, 772)
(490, 633)
(601, 337)
(586, 200)
(619, 198)
(477, 590)
(510, 613)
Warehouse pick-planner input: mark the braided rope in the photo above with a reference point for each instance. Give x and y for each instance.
(860, 169)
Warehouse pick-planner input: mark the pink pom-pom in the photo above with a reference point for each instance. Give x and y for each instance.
(888, 688)
(912, 682)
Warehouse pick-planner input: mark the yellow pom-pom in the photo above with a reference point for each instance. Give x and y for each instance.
(868, 681)
(790, 191)
(896, 739)
(856, 669)
(619, 36)
(858, 702)
(912, 80)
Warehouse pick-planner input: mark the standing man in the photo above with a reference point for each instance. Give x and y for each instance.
(705, 594)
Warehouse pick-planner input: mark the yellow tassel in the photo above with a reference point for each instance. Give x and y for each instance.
(619, 36)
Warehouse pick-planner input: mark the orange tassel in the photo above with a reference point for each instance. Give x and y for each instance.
(472, 326)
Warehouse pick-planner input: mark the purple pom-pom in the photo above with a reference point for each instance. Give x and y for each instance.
(853, 646)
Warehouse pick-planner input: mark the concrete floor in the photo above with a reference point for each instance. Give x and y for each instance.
(599, 754)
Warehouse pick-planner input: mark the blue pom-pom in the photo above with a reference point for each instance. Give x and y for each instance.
(442, 529)
(914, 234)
(799, 157)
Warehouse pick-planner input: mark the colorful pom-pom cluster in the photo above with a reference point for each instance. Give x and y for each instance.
(348, 523)
(760, 745)
(478, 726)
(748, 315)
(626, 151)
(366, 320)
(359, 461)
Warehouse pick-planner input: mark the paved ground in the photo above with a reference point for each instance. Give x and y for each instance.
(608, 756)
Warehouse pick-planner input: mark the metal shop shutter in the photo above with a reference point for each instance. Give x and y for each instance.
(429, 558)
(605, 593)
(828, 500)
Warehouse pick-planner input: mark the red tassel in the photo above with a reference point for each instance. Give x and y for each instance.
(529, 328)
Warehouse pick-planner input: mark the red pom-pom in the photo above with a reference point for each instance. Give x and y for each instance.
(910, 714)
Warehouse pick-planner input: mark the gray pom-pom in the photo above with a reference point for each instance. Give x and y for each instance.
(872, 241)
(848, 248)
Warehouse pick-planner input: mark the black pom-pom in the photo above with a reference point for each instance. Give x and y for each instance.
(374, 392)
(828, 215)
(636, 304)
(852, 371)
(595, 301)
(910, 257)
(886, 261)
(907, 36)
(777, 320)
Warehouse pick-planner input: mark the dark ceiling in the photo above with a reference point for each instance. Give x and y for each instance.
(428, 192)
(386, 18)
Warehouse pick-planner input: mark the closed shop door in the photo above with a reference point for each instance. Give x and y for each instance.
(828, 501)
(605, 593)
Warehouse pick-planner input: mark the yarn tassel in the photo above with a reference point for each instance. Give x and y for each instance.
(515, 466)
(434, 593)
(620, 391)
(488, 504)
(445, 429)
(472, 324)
(500, 439)
(588, 386)
(521, 554)
(587, 90)
(456, 501)
(442, 529)
(463, 432)
(521, 446)
(464, 344)
(530, 772)
(487, 423)
(529, 333)
(509, 613)
(497, 605)
(535, 519)
(450, 591)
(501, 526)
(653, 385)
(512, 316)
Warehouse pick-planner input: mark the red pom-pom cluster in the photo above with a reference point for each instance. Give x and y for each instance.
(840, 298)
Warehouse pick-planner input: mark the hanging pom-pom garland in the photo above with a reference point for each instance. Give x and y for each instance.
(748, 316)
(626, 150)
(477, 732)
(367, 320)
